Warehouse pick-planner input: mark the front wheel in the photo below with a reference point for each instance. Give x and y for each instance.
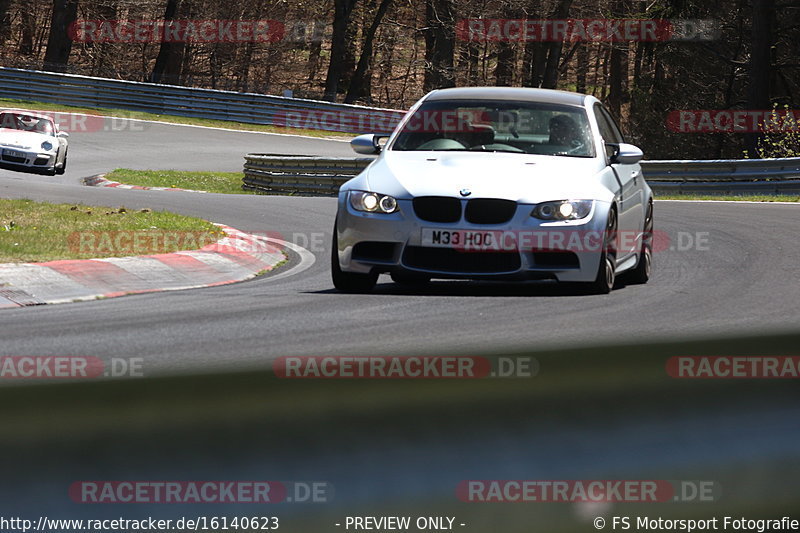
(641, 274)
(63, 168)
(606, 271)
(348, 281)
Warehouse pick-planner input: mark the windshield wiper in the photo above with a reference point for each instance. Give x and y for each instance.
(501, 150)
(566, 154)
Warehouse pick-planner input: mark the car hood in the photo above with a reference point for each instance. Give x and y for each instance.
(519, 177)
(24, 139)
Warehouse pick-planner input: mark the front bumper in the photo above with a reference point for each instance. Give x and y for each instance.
(523, 248)
(27, 158)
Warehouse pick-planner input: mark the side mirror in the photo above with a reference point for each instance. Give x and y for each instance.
(625, 154)
(62, 134)
(366, 144)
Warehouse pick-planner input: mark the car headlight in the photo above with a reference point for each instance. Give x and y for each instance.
(372, 202)
(47, 145)
(563, 210)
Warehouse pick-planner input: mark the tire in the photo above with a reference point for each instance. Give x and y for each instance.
(347, 281)
(410, 278)
(60, 171)
(51, 171)
(606, 271)
(641, 274)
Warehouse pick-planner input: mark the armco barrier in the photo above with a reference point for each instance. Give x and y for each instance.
(250, 108)
(310, 175)
(301, 175)
(729, 176)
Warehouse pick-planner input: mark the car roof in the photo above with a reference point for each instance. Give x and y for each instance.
(548, 96)
(27, 113)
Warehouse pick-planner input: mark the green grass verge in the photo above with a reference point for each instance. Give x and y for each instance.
(731, 198)
(224, 182)
(35, 231)
(31, 105)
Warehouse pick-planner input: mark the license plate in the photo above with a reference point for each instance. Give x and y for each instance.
(457, 238)
(14, 153)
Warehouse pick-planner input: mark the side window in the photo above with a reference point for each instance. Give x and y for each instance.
(613, 124)
(606, 130)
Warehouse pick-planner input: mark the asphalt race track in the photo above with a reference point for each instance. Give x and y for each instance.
(743, 278)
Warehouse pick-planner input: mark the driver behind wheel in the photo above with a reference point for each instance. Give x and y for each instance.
(564, 132)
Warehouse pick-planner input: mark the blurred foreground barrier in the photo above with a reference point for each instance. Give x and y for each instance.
(407, 447)
(321, 176)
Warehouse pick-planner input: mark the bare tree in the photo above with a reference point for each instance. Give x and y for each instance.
(439, 44)
(170, 57)
(59, 43)
(618, 75)
(5, 19)
(342, 11)
(356, 91)
(759, 80)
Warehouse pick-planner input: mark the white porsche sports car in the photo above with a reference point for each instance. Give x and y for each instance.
(31, 141)
(499, 184)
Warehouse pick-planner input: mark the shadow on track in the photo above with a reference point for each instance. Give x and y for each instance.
(459, 288)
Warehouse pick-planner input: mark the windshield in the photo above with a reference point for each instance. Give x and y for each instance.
(19, 121)
(498, 126)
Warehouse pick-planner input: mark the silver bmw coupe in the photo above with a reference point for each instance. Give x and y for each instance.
(497, 184)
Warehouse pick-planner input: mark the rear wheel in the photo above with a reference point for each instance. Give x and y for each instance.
(63, 168)
(606, 271)
(641, 274)
(348, 281)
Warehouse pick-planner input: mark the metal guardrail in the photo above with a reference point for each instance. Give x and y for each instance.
(726, 176)
(300, 175)
(308, 175)
(250, 108)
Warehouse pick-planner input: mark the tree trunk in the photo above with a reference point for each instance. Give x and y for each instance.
(504, 71)
(314, 52)
(342, 10)
(549, 78)
(758, 89)
(582, 68)
(59, 44)
(356, 89)
(106, 11)
(440, 44)
(169, 61)
(538, 64)
(26, 38)
(618, 77)
(5, 20)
